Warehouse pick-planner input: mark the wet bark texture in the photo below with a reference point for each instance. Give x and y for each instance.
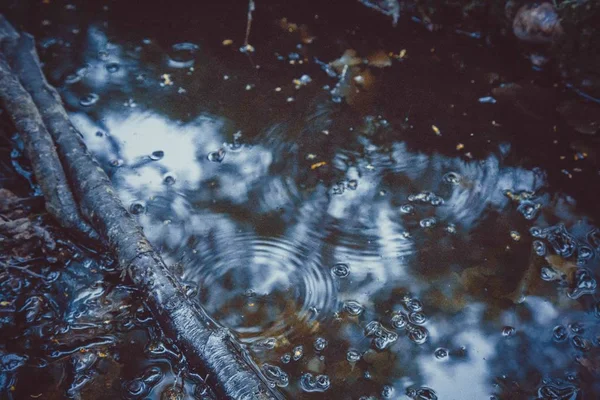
(41, 152)
(205, 343)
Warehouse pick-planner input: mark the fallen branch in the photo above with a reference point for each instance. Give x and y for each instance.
(42, 153)
(203, 341)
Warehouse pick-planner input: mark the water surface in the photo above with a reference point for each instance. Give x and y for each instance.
(413, 220)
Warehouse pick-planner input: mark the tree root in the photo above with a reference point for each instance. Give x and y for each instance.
(203, 341)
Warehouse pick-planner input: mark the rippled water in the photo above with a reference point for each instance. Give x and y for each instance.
(366, 231)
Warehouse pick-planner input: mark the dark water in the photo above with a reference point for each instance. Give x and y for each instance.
(415, 226)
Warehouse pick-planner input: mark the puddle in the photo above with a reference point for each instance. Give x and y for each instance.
(387, 225)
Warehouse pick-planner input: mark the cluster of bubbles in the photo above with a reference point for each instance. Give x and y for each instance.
(382, 337)
(565, 245)
(341, 186)
(423, 393)
(575, 332)
(310, 383)
(411, 319)
(276, 375)
(353, 308)
(426, 198)
(340, 270)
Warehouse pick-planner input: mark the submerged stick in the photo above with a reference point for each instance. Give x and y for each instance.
(203, 341)
(41, 153)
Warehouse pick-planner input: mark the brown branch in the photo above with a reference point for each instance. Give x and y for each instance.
(41, 152)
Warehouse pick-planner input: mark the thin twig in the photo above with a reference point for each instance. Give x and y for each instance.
(24, 270)
(251, 8)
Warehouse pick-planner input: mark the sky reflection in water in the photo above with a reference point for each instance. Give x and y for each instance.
(287, 251)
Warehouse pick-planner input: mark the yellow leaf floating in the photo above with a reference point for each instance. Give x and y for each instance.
(227, 42)
(166, 79)
(436, 130)
(318, 165)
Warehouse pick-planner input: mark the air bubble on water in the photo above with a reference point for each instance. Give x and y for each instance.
(441, 353)
(297, 352)
(559, 333)
(407, 208)
(563, 243)
(286, 358)
(169, 179)
(417, 334)
(452, 178)
(594, 238)
(529, 209)
(352, 184)
(576, 327)
(580, 343)
(417, 318)
(182, 55)
(399, 320)
(353, 307)
(338, 188)
(117, 163)
(309, 383)
(508, 331)
(320, 344)
(584, 254)
(236, 145)
(451, 228)
(89, 100)
(423, 393)
(276, 375)
(340, 270)
(426, 198)
(558, 391)
(387, 392)
(381, 336)
(137, 207)
(112, 67)
(352, 355)
(548, 274)
(584, 284)
(135, 387)
(436, 201)
(414, 305)
(539, 248)
(323, 382)
(428, 222)
(157, 155)
(265, 344)
(537, 232)
(216, 156)
(78, 75)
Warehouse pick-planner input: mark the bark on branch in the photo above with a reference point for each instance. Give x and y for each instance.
(204, 342)
(42, 153)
